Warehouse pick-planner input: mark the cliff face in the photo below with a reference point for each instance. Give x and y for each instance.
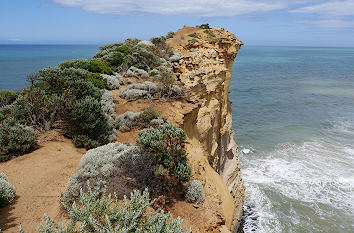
(205, 68)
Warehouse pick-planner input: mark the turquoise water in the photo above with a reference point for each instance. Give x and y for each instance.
(17, 61)
(293, 113)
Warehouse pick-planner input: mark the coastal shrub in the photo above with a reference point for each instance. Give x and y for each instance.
(157, 122)
(204, 26)
(33, 78)
(126, 121)
(97, 80)
(81, 89)
(133, 52)
(170, 35)
(136, 72)
(35, 107)
(176, 91)
(166, 144)
(145, 43)
(98, 166)
(88, 119)
(139, 90)
(107, 104)
(148, 114)
(55, 79)
(16, 139)
(166, 79)
(144, 58)
(194, 192)
(7, 97)
(175, 57)
(91, 65)
(114, 54)
(7, 191)
(194, 35)
(104, 213)
(113, 81)
(99, 66)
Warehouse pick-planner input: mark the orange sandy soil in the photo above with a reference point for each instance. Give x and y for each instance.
(39, 178)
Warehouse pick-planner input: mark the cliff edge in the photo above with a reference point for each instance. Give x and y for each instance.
(205, 69)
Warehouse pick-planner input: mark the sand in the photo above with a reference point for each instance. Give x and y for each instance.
(39, 178)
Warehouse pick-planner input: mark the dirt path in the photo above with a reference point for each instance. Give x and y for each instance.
(39, 178)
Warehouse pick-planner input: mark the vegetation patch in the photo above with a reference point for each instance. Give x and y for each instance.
(166, 145)
(194, 35)
(91, 65)
(120, 167)
(16, 139)
(148, 117)
(7, 97)
(204, 26)
(194, 192)
(140, 90)
(105, 214)
(7, 191)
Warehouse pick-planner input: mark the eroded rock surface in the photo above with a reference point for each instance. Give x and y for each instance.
(205, 69)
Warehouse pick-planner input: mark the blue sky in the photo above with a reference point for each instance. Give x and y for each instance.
(255, 22)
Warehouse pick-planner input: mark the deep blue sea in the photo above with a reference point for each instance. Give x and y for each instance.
(17, 61)
(293, 113)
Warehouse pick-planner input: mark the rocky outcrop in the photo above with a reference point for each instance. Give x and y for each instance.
(205, 69)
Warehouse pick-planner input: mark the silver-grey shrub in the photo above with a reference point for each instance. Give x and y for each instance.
(113, 81)
(96, 166)
(104, 214)
(157, 122)
(139, 90)
(136, 72)
(126, 121)
(107, 103)
(194, 192)
(109, 109)
(175, 57)
(7, 191)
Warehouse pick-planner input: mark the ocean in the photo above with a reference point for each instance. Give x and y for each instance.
(293, 114)
(17, 61)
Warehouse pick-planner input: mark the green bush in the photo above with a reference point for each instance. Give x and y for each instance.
(91, 65)
(166, 144)
(83, 141)
(194, 192)
(36, 107)
(16, 139)
(7, 191)
(106, 214)
(7, 97)
(204, 26)
(148, 114)
(194, 35)
(88, 119)
(170, 35)
(99, 66)
(132, 52)
(56, 79)
(97, 80)
(81, 88)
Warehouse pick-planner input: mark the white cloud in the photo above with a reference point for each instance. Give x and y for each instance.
(330, 8)
(206, 8)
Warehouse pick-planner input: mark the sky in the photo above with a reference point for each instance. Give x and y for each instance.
(255, 22)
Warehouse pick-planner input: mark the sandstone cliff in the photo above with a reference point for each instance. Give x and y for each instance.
(205, 68)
